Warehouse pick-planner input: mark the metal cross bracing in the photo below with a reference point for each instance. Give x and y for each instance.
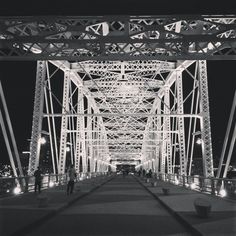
(121, 89)
(83, 38)
(102, 113)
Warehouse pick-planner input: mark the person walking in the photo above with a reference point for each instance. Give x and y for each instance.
(38, 179)
(71, 182)
(150, 174)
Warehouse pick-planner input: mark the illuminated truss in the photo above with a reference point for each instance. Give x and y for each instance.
(118, 38)
(115, 112)
(132, 91)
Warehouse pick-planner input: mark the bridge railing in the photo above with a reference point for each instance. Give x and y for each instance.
(215, 186)
(17, 185)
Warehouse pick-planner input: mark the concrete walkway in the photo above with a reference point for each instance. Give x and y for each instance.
(115, 206)
(221, 221)
(20, 214)
(120, 207)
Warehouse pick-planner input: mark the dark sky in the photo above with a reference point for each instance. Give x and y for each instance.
(18, 78)
(118, 7)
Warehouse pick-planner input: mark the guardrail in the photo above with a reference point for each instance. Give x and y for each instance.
(17, 185)
(214, 186)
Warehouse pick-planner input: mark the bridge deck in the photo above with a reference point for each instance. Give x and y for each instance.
(120, 206)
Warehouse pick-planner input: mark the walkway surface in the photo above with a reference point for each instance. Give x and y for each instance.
(115, 206)
(180, 202)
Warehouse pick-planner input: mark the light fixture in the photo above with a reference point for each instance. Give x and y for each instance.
(17, 190)
(51, 184)
(223, 193)
(199, 141)
(43, 140)
(193, 185)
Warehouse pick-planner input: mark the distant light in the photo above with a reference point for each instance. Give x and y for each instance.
(177, 181)
(67, 149)
(51, 184)
(17, 190)
(8, 190)
(42, 140)
(223, 193)
(26, 152)
(193, 185)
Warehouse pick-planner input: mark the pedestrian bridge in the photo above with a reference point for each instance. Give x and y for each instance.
(118, 92)
(112, 204)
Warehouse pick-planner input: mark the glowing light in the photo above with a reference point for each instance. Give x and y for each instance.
(199, 141)
(8, 190)
(177, 181)
(42, 140)
(17, 190)
(51, 184)
(223, 193)
(67, 149)
(193, 185)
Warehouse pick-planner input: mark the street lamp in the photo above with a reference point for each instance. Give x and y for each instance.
(199, 141)
(43, 140)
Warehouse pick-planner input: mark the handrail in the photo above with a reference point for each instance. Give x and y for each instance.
(221, 187)
(17, 185)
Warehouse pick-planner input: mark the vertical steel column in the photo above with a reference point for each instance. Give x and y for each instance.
(89, 135)
(92, 147)
(50, 132)
(180, 110)
(77, 147)
(95, 143)
(64, 123)
(205, 121)
(37, 117)
(166, 135)
(158, 136)
(81, 126)
(80, 136)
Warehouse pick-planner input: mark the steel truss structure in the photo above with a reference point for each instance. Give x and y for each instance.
(118, 37)
(121, 89)
(115, 112)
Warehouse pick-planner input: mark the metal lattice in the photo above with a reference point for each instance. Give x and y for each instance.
(121, 101)
(118, 38)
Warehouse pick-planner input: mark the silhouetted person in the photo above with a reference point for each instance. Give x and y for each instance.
(38, 179)
(144, 173)
(150, 174)
(139, 172)
(71, 182)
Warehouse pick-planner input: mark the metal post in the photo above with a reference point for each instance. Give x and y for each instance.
(64, 124)
(205, 121)
(180, 110)
(37, 117)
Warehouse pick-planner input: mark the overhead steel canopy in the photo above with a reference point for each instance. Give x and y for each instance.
(118, 38)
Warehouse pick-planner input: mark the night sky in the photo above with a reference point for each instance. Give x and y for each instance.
(18, 78)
